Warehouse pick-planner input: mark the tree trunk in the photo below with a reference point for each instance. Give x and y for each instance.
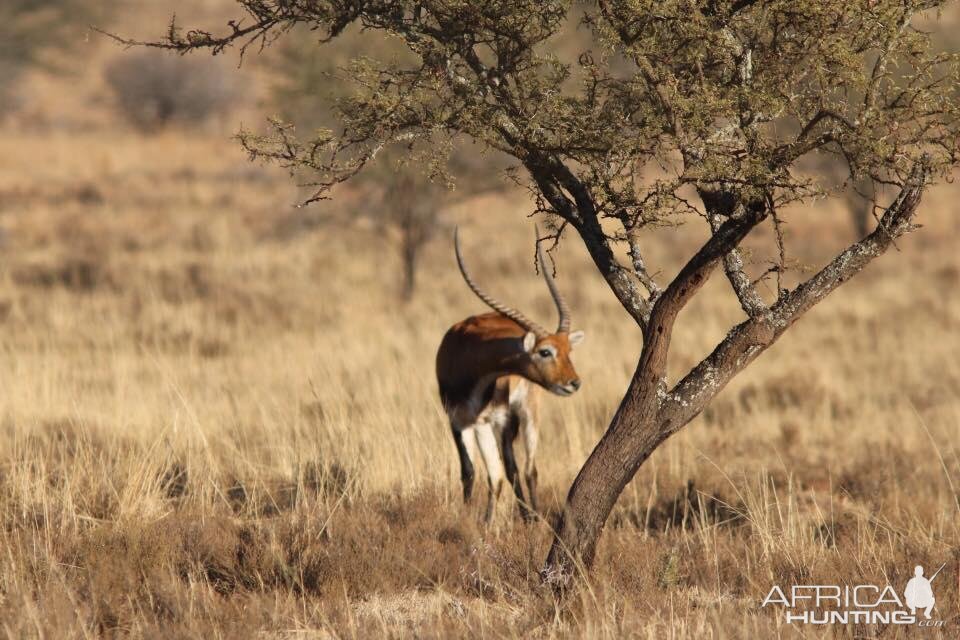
(635, 430)
(860, 215)
(646, 417)
(632, 436)
(649, 413)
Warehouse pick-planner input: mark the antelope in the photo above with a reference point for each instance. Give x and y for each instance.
(485, 367)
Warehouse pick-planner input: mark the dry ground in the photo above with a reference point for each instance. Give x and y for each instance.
(216, 420)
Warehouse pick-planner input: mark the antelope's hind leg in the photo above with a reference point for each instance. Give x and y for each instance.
(490, 451)
(465, 441)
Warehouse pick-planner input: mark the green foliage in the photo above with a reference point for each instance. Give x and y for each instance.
(726, 95)
(318, 88)
(664, 100)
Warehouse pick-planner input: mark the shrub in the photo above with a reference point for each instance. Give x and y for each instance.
(31, 32)
(153, 89)
(404, 196)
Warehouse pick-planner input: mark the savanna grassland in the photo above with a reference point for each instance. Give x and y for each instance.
(218, 420)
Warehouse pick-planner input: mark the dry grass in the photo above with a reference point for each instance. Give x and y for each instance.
(217, 421)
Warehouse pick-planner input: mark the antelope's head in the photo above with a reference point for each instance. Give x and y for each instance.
(546, 354)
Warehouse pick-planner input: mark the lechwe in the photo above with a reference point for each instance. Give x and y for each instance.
(485, 365)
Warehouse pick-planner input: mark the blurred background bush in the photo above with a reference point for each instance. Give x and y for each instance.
(36, 34)
(153, 88)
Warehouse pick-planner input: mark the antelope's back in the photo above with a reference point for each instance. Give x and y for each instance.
(467, 349)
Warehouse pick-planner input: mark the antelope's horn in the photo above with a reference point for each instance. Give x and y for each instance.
(562, 309)
(492, 302)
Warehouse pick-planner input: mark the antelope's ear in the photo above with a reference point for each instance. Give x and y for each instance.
(576, 338)
(529, 341)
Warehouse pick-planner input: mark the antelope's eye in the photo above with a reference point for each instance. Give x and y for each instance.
(545, 353)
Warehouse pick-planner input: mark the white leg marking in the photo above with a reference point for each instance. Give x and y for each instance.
(528, 429)
(470, 441)
(490, 451)
(487, 442)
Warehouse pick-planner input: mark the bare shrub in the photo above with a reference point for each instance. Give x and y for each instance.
(31, 33)
(10, 74)
(153, 89)
(405, 190)
(79, 274)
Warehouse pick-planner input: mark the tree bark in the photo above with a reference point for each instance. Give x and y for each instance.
(630, 439)
(636, 430)
(649, 414)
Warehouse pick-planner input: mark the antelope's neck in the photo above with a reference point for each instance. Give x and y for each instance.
(484, 389)
(502, 358)
(477, 351)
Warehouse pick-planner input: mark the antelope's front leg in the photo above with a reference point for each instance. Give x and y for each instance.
(527, 418)
(507, 437)
(490, 451)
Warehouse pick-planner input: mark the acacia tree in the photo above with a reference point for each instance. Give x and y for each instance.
(399, 196)
(678, 108)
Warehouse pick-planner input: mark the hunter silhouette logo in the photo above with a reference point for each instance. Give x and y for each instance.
(859, 604)
(919, 593)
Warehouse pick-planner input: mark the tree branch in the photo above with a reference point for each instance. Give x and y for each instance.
(639, 266)
(896, 221)
(750, 299)
(653, 359)
(750, 338)
(550, 175)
